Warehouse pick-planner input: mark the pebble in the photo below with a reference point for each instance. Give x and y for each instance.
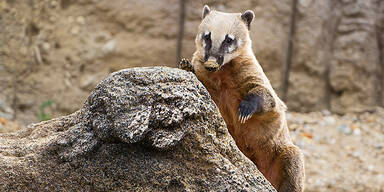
(356, 131)
(6, 111)
(86, 81)
(371, 119)
(370, 167)
(330, 120)
(80, 20)
(52, 19)
(54, 4)
(3, 5)
(75, 30)
(326, 112)
(109, 46)
(345, 129)
(379, 146)
(356, 154)
(307, 128)
(380, 177)
(46, 46)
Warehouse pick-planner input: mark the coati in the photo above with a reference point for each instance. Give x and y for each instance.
(255, 116)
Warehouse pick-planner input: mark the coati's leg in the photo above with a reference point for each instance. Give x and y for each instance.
(291, 165)
(258, 100)
(185, 64)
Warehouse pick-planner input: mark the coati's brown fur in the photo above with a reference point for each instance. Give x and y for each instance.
(254, 114)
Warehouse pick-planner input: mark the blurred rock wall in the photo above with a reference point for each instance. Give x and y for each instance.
(58, 50)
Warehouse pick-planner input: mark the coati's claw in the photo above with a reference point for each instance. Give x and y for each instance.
(185, 64)
(249, 105)
(242, 119)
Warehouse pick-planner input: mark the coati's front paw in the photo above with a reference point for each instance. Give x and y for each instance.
(249, 105)
(185, 64)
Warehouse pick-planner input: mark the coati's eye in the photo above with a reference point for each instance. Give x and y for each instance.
(229, 39)
(207, 35)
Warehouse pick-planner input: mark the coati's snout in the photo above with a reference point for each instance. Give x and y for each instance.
(211, 66)
(213, 63)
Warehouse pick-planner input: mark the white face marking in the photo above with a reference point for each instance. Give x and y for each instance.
(228, 57)
(206, 33)
(231, 36)
(231, 47)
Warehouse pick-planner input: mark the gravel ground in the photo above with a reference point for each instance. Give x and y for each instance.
(342, 153)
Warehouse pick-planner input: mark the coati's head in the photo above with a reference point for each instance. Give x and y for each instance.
(222, 36)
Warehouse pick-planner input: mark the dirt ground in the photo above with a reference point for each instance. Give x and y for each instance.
(342, 153)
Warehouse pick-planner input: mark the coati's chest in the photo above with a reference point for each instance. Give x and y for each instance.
(225, 92)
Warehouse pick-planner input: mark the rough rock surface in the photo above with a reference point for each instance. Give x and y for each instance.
(338, 53)
(141, 129)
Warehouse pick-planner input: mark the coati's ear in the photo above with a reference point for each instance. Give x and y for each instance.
(206, 11)
(247, 17)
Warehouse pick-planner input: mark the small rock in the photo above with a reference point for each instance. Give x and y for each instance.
(109, 46)
(24, 51)
(330, 120)
(75, 30)
(46, 46)
(326, 112)
(6, 111)
(356, 131)
(52, 19)
(305, 3)
(307, 128)
(365, 127)
(356, 154)
(380, 177)
(54, 4)
(345, 129)
(80, 20)
(87, 82)
(379, 146)
(3, 5)
(371, 119)
(370, 167)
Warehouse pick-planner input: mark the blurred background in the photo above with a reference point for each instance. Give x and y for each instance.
(325, 58)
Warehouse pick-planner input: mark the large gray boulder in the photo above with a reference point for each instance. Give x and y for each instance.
(141, 129)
